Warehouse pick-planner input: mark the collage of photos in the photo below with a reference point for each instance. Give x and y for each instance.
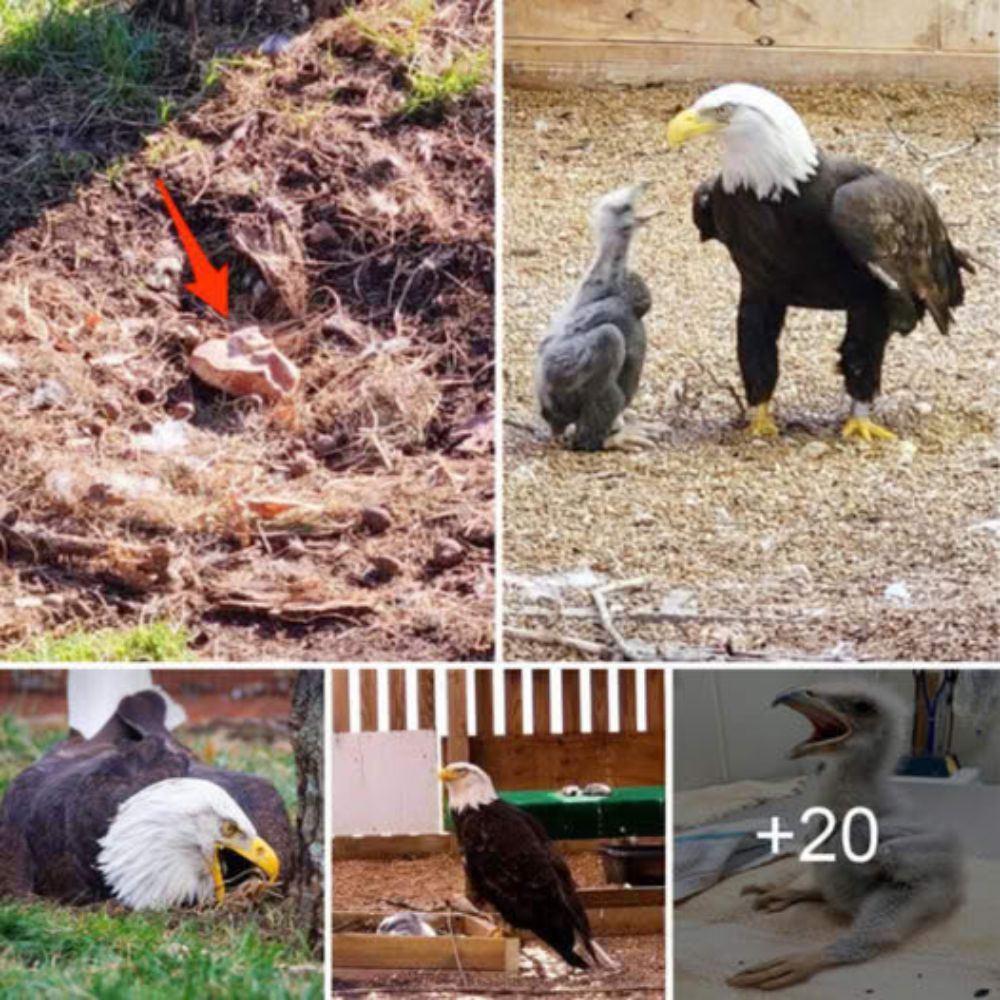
(500, 499)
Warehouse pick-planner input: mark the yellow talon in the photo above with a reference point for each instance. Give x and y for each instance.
(761, 424)
(867, 430)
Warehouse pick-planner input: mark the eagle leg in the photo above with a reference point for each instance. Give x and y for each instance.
(865, 429)
(761, 422)
(780, 972)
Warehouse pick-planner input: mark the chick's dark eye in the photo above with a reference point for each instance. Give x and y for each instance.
(863, 708)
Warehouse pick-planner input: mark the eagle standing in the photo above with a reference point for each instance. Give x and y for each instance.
(806, 229)
(513, 865)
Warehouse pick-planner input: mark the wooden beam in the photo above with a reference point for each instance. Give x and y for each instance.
(372, 847)
(594, 899)
(484, 703)
(571, 699)
(517, 763)
(627, 702)
(557, 64)
(375, 847)
(369, 701)
(540, 699)
(397, 699)
(655, 704)
(341, 701)
(458, 717)
(599, 701)
(462, 951)
(620, 922)
(514, 712)
(425, 699)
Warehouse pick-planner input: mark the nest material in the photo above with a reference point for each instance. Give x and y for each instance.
(360, 241)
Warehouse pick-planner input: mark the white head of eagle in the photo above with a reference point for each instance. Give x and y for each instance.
(180, 841)
(469, 786)
(766, 147)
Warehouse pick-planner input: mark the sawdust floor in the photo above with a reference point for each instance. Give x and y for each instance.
(802, 545)
(426, 883)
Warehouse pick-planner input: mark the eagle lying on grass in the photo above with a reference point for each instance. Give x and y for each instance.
(806, 229)
(131, 814)
(513, 865)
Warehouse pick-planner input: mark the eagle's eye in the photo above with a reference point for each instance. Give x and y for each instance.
(229, 828)
(724, 112)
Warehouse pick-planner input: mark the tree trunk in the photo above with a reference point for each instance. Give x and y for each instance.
(306, 722)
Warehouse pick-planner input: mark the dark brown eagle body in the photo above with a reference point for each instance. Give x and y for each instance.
(853, 238)
(55, 812)
(514, 866)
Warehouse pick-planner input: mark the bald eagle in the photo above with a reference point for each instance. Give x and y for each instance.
(130, 814)
(806, 229)
(513, 865)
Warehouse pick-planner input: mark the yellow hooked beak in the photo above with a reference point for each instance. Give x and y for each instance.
(446, 774)
(687, 124)
(259, 853)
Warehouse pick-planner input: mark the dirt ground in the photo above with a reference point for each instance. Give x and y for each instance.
(426, 883)
(803, 545)
(354, 521)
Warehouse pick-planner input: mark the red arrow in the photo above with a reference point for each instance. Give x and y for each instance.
(210, 284)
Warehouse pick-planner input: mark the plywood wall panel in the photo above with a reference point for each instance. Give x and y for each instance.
(851, 24)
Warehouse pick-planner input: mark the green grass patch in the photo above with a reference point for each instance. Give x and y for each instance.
(397, 29)
(21, 745)
(92, 42)
(156, 643)
(49, 952)
(433, 82)
(431, 89)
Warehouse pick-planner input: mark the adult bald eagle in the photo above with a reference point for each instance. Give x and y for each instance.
(513, 865)
(129, 813)
(806, 229)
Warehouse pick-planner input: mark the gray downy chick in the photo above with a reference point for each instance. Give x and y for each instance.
(915, 875)
(591, 358)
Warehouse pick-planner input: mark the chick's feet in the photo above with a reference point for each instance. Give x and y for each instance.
(780, 972)
(774, 900)
(866, 430)
(628, 440)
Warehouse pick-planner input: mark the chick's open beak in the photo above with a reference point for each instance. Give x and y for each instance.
(258, 853)
(830, 728)
(687, 124)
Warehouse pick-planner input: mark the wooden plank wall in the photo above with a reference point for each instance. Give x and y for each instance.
(520, 760)
(585, 42)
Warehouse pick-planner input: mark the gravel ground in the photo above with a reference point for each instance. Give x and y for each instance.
(803, 545)
(426, 883)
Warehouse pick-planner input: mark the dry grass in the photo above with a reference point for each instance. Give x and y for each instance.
(359, 238)
(780, 547)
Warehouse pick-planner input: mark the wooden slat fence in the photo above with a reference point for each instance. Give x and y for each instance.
(620, 748)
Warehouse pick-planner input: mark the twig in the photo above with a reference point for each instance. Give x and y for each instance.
(454, 949)
(555, 639)
(599, 597)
